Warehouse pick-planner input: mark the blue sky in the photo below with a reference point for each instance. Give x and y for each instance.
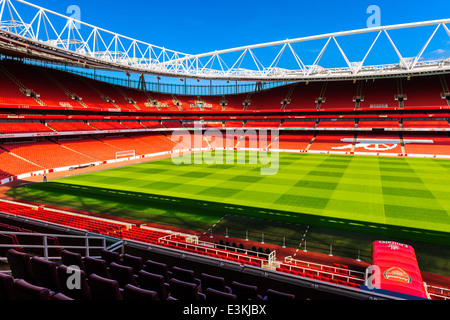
(199, 26)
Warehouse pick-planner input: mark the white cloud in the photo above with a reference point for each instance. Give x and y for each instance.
(439, 51)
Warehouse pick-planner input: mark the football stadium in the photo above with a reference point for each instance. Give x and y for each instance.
(313, 168)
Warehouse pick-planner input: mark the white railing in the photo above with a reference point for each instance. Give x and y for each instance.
(438, 293)
(321, 269)
(221, 251)
(50, 242)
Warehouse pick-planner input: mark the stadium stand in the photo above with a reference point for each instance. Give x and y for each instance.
(262, 124)
(12, 165)
(23, 127)
(378, 143)
(111, 94)
(378, 124)
(379, 93)
(70, 126)
(336, 124)
(329, 141)
(235, 102)
(297, 141)
(212, 103)
(305, 96)
(133, 125)
(272, 99)
(107, 125)
(298, 124)
(96, 149)
(165, 102)
(421, 93)
(317, 117)
(427, 125)
(427, 143)
(33, 78)
(75, 85)
(340, 95)
(12, 93)
(38, 153)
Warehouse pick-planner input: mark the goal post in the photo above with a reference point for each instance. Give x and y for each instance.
(122, 155)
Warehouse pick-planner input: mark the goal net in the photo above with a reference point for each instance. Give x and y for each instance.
(125, 154)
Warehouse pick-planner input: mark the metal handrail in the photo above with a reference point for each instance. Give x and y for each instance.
(45, 246)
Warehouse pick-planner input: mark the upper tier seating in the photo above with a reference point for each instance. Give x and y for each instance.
(166, 101)
(339, 95)
(213, 102)
(10, 92)
(271, 99)
(76, 85)
(31, 77)
(423, 93)
(110, 91)
(53, 88)
(379, 93)
(235, 102)
(304, 96)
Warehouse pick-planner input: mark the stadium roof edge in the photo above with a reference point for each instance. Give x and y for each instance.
(68, 45)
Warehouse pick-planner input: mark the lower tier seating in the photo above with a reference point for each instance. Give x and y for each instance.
(114, 276)
(27, 156)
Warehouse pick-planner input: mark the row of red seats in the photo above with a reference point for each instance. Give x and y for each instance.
(74, 221)
(35, 127)
(143, 235)
(33, 78)
(25, 127)
(13, 166)
(47, 154)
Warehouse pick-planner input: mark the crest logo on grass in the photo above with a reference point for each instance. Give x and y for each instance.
(213, 146)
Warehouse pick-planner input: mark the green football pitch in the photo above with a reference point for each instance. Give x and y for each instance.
(401, 198)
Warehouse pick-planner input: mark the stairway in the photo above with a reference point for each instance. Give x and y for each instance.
(22, 87)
